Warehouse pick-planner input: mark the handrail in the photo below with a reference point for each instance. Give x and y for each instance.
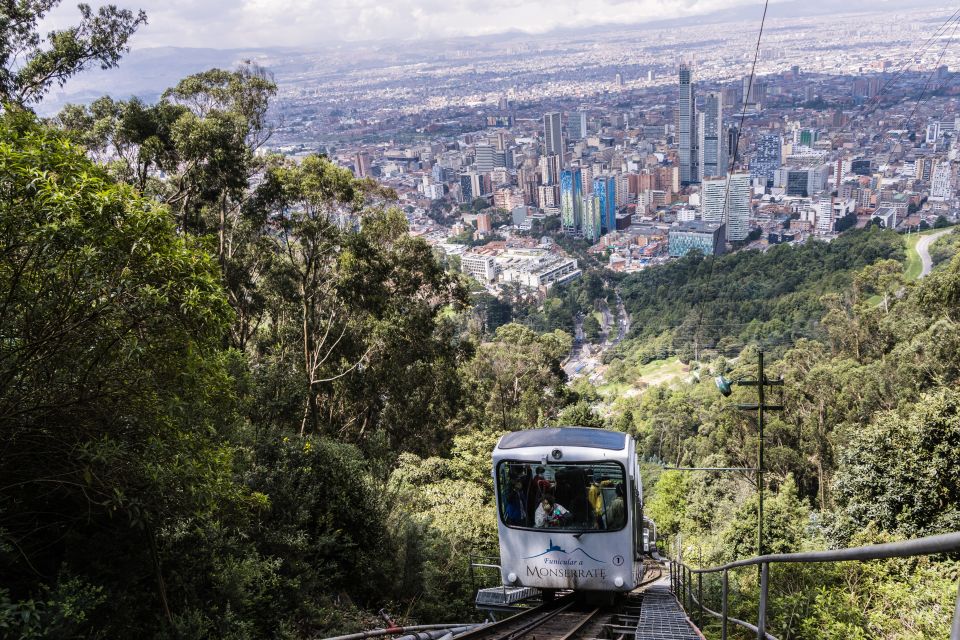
(942, 543)
(681, 575)
(742, 623)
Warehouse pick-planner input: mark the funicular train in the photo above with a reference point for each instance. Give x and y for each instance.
(570, 510)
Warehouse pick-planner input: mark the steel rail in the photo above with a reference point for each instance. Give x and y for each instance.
(395, 631)
(539, 622)
(546, 611)
(580, 625)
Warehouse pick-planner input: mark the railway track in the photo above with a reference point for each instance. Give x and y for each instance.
(570, 617)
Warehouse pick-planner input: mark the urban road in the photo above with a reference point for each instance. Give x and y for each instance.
(923, 248)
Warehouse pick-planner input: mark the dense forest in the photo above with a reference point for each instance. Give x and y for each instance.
(240, 401)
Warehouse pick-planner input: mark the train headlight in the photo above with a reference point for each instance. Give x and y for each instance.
(618, 582)
(512, 577)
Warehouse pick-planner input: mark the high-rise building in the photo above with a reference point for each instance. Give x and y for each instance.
(735, 212)
(571, 200)
(466, 188)
(592, 227)
(733, 143)
(486, 158)
(825, 217)
(552, 135)
(484, 226)
(941, 185)
(766, 158)
(577, 125)
(605, 190)
(547, 196)
(711, 200)
(712, 159)
(738, 207)
(707, 238)
(550, 169)
(362, 164)
(754, 90)
(686, 128)
(923, 168)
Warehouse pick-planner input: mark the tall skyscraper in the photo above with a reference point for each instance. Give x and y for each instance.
(686, 128)
(592, 228)
(577, 125)
(466, 188)
(605, 191)
(711, 200)
(552, 135)
(712, 159)
(571, 200)
(766, 159)
(735, 213)
(738, 207)
(550, 169)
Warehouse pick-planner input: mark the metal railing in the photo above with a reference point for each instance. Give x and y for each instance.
(681, 576)
(485, 562)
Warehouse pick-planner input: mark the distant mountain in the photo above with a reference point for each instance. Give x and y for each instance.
(147, 72)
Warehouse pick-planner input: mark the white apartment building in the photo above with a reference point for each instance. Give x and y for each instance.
(481, 267)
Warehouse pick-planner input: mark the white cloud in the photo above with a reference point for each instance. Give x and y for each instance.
(304, 23)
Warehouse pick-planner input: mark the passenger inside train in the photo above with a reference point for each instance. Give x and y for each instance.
(550, 513)
(582, 496)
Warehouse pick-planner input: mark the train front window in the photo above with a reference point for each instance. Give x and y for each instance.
(575, 496)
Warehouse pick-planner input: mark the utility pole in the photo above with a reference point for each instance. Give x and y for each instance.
(760, 383)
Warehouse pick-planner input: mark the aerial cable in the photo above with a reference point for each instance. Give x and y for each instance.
(933, 71)
(733, 161)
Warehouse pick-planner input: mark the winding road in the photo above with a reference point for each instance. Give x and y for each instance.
(923, 249)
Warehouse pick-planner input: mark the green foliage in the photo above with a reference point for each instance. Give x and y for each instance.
(749, 296)
(114, 385)
(580, 414)
(943, 250)
(901, 471)
(30, 64)
(515, 381)
(784, 522)
(591, 328)
(668, 505)
(238, 408)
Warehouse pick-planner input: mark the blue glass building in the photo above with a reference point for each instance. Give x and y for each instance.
(605, 189)
(571, 200)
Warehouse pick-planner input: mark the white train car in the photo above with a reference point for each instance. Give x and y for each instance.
(570, 509)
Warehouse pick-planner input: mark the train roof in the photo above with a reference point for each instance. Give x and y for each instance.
(565, 436)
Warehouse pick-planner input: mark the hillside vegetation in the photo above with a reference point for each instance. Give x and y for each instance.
(240, 401)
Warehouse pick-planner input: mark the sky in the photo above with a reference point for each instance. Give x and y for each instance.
(226, 24)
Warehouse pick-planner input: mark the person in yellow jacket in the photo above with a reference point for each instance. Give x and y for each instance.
(595, 498)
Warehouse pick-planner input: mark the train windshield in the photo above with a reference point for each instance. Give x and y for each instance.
(575, 496)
